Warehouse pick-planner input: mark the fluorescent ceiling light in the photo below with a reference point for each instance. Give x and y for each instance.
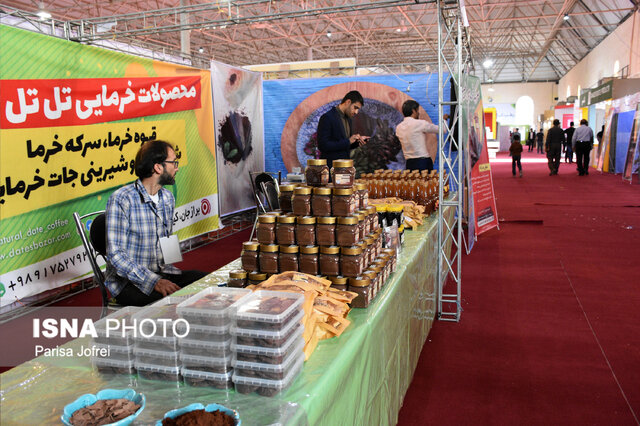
(201, 50)
(43, 14)
(487, 63)
(566, 17)
(329, 34)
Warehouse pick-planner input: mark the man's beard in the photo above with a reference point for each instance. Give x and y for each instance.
(166, 179)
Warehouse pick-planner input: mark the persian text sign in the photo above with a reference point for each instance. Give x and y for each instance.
(81, 101)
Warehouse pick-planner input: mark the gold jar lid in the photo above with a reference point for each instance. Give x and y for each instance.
(316, 162)
(250, 246)
(362, 245)
(349, 220)
(287, 188)
(342, 191)
(371, 209)
(371, 274)
(309, 249)
(355, 250)
(257, 276)
(306, 220)
(322, 191)
(389, 251)
(238, 274)
(269, 248)
(342, 163)
(286, 219)
(330, 250)
(327, 220)
(302, 190)
(289, 249)
(369, 241)
(267, 218)
(339, 280)
(360, 217)
(360, 282)
(360, 186)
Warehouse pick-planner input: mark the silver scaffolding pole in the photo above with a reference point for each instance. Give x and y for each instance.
(450, 70)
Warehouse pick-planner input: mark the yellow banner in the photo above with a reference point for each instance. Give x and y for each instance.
(45, 166)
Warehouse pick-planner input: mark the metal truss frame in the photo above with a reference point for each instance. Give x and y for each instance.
(454, 59)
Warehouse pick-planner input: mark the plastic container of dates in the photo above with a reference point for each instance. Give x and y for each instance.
(208, 349)
(113, 366)
(154, 357)
(267, 310)
(158, 372)
(266, 387)
(265, 355)
(269, 371)
(113, 352)
(204, 379)
(267, 338)
(114, 335)
(158, 325)
(209, 333)
(206, 363)
(212, 306)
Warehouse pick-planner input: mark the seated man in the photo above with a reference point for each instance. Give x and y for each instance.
(139, 216)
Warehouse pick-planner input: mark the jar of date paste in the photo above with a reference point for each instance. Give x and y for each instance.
(309, 260)
(343, 173)
(317, 172)
(347, 231)
(286, 192)
(373, 218)
(237, 278)
(306, 231)
(361, 286)
(367, 222)
(339, 282)
(301, 201)
(286, 230)
(288, 258)
(321, 202)
(361, 225)
(343, 202)
(329, 261)
(266, 230)
(326, 231)
(363, 195)
(256, 278)
(268, 258)
(373, 277)
(249, 256)
(351, 261)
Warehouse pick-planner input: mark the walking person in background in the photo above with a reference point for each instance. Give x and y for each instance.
(582, 142)
(568, 149)
(515, 132)
(531, 139)
(515, 151)
(555, 139)
(540, 139)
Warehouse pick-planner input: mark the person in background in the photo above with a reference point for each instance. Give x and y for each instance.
(139, 217)
(515, 151)
(411, 133)
(515, 132)
(540, 139)
(555, 139)
(335, 137)
(582, 142)
(568, 149)
(531, 138)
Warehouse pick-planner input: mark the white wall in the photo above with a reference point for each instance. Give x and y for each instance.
(621, 45)
(543, 95)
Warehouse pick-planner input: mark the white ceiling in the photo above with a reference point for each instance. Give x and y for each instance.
(527, 40)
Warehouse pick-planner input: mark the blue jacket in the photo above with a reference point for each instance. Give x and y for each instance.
(333, 143)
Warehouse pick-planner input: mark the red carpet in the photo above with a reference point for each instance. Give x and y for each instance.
(551, 328)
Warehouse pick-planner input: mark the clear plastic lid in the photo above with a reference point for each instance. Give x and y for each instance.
(113, 349)
(201, 344)
(206, 360)
(162, 369)
(260, 350)
(273, 384)
(156, 353)
(213, 302)
(205, 375)
(295, 354)
(268, 306)
(269, 334)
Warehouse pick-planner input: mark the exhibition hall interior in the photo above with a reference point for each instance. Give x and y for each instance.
(319, 212)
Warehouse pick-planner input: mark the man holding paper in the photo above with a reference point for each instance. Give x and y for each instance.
(139, 220)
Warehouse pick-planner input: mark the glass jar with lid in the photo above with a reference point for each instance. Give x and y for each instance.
(266, 229)
(306, 231)
(363, 195)
(373, 277)
(351, 261)
(237, 278)
(301, 201)
(339, 282)
(288, 258)
(286, 230)
(326, 231)
(249, 256)
(343, 202)
(329, 261)
(361, 286)
(256, 278)
(395, 214)
(361, 225)
(381, 209)
(286, 192)
(347, 231)
(309, 260)
(373, 218)
(343, 173)
(371, 249)
(317, 172)
(321, 202)
(393, 256)
(268, 258)
(367, 223)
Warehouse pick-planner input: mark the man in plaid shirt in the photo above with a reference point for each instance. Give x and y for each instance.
(137, 216)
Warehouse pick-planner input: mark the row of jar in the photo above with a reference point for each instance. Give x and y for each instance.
(342, 174)
(399, 174)
(323, 201)
(311, 231)
(423, 192)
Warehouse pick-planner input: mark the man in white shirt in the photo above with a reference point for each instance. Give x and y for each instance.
(411, 133)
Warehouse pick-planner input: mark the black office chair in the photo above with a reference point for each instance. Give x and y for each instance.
(266, 191)
(95, 245)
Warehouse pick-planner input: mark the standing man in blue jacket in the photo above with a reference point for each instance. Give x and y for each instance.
(335, 136)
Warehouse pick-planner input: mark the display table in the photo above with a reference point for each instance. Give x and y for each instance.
(358, 378)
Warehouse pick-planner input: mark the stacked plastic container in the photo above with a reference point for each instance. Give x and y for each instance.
(157, 354)
(267, 342)
(120, 358)
(205, 353)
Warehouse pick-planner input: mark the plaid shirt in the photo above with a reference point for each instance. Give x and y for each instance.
(134, 228)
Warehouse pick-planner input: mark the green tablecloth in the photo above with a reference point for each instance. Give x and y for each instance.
(359, 378)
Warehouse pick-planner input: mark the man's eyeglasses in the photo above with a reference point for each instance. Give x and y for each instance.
(174, 162)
